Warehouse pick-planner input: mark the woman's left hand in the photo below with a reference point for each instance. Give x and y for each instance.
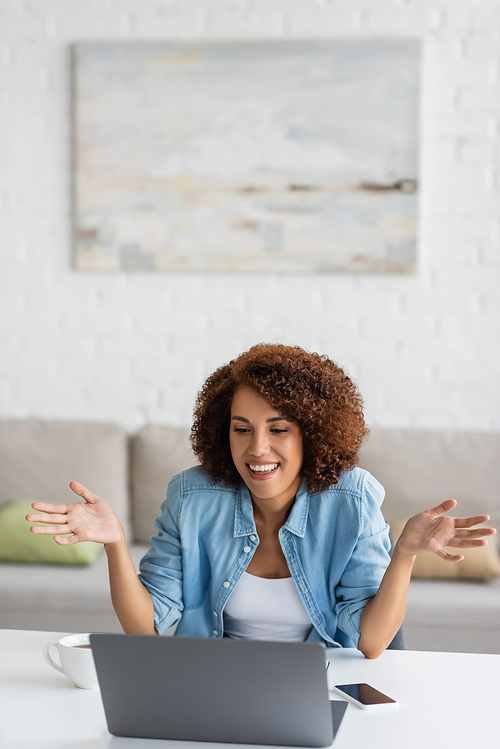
(431, 531)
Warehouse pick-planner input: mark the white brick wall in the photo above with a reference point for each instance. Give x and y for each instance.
(425, 349)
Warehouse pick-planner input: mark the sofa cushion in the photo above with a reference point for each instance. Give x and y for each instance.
(454, 603)
(40, 458)
(421, 468)
(158, 454)
(61, 589)
(480, 563)
(18, 544)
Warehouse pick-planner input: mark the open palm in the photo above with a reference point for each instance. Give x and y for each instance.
(91, 520)
(432, 531)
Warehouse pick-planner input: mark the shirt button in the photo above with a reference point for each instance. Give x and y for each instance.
(226, 584)
(246, 549)
(215, 613)
(214, 631)
(252, 538)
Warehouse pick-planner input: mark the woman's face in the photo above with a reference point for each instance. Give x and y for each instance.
(266, 448)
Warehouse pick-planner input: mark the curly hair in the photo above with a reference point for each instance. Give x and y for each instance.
(308, 389)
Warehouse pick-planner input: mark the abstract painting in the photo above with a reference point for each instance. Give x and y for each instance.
(268, 157)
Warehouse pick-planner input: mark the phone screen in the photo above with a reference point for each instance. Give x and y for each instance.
(365, 694)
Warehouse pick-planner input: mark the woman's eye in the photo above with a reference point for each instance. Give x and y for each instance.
(278, 431)
(241, 430)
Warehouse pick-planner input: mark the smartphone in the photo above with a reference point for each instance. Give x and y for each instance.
(365, 696)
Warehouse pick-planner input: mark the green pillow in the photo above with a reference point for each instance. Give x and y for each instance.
(18, 544)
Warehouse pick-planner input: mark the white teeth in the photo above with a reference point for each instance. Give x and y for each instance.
(263, 469)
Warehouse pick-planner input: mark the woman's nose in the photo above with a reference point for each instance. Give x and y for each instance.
(259, 444)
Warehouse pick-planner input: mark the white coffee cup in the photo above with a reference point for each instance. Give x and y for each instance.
(77, 661)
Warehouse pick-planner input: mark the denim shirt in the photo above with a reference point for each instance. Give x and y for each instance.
(336, 545)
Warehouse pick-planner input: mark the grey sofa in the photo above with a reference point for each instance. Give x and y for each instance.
(417, 468)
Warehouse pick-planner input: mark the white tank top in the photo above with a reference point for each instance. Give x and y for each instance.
(264, 609)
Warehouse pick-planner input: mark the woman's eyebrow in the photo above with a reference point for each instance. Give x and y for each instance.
(269, 421)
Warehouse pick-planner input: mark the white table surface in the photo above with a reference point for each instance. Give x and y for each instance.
(446, 700)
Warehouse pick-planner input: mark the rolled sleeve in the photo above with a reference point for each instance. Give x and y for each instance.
(365, 569)
(160, 570)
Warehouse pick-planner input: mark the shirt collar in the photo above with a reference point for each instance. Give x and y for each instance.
(244, 523)
(297, 520)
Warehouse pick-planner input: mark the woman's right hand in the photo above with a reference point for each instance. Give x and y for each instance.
(91, 520)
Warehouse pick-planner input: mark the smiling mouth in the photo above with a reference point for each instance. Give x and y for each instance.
(262, 470)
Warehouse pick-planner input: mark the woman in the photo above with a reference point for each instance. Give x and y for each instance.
(277, 534)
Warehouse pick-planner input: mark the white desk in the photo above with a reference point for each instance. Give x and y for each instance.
(446, 699)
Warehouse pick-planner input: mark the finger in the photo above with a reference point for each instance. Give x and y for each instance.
(445, 506)
(475, 533)
(49, 530)
(66, 540)
(33, 518)
(449, 557)
(43, 507)
(469, 522)
(83, 492)
(466, 544)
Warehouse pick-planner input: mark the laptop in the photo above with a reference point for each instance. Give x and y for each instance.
(198, 689)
